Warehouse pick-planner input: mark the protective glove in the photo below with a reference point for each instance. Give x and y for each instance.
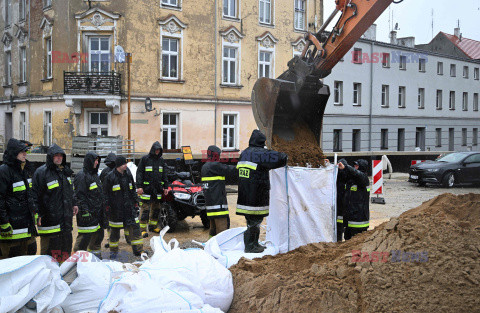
(137, 210)
(86, 217)
(6, 230)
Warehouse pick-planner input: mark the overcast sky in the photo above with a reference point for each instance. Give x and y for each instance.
(414, 18)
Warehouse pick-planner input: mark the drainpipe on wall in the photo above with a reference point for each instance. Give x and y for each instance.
(371, 101)
(215, 80)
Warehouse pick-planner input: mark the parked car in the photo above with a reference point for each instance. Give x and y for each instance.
(449, 170)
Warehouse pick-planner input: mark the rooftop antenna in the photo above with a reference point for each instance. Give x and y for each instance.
(432, 22)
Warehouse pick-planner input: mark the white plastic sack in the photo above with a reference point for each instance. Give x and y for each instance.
(92, 284)
(133, 169)
(28, 278)
(173, 280)
(309, 215)
(228, 247)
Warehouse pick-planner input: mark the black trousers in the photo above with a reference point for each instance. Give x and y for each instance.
(251, 235)
(352, 231)
(58, 245)
(18, 247)
(219, 224)
(92, 242)
(340, 231)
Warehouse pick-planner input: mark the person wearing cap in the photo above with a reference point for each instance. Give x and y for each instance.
(53, 191)
(90, 200)
(254, 186)
(151, 180)
(17, 208)
(357, 198)
(213, 178)
(119, 189)
(110, 166)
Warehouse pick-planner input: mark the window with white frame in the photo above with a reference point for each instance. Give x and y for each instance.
(439, 100)
(265, 11)
(229, 131)
(357, 56)
(172, 3)
(401, 96)
(422, 65)
(357, 94)
(475, 101)
(440, 68)
(265, 64)
(48, 61)
(8, 68)
(99, 54)
(23, 126)
(385, 96)
(453, 70)
(384, 139)
(386, 60)
(403, 62)
(98, 123)
(451, 102)
(230, 8)
(338, 93)
(438, 137)
(170, 67)
(23, 64)
(22, 10)
(229, 67)
(476, 73)
(465, 101)
(8, 12)
(47, 128)
(421, 98)
(170, 131)
(300, 12)
(337, 140)
(465, 72)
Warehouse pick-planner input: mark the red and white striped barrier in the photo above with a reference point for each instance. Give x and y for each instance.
(417, 161)
(377, 174)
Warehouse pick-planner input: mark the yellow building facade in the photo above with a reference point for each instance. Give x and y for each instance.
(196, 60)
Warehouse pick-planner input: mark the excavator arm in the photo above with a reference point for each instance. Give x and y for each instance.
(298, 95)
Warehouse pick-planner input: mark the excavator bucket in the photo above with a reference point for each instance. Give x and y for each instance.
(279, 108)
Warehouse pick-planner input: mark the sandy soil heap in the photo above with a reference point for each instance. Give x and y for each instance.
(304, 149)
(433, 265)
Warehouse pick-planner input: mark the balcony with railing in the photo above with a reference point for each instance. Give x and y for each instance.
(92, 83)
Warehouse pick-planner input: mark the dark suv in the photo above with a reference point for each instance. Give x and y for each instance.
(453, 168)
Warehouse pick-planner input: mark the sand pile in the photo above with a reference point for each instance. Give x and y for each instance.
(426, 260)
(302, 151)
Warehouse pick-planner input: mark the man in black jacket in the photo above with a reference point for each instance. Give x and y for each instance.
(91, 206)
(119, 188)
(341, 191)
(357, 197)
(151, 180)
(213, 177)
(254, 186)
(17, 209)
(53, 191)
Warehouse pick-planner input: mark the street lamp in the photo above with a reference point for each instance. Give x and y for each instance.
(148, 104)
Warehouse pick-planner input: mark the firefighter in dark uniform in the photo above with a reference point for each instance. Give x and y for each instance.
(341, 191)
(121, 195)
(110, 162)
(357, 198)
(213, 178)
(53, 190)
(254, 186)
(91, 206)
(17, 208)
(151, 180)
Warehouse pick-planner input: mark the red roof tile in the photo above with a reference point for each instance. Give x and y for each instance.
(469, 46)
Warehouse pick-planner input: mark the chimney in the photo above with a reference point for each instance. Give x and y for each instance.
(393, 37)
(456, 32)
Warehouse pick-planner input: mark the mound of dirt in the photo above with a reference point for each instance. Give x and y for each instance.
(303, 151)
(426, 260)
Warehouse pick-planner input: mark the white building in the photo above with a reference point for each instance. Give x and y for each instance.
(396, 97)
